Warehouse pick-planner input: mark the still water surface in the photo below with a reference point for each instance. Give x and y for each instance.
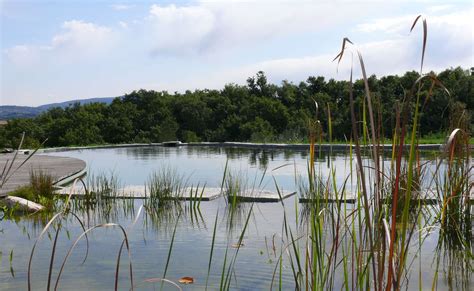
(150, 239)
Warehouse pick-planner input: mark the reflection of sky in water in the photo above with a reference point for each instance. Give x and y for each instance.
(206, 165)
(150, 240)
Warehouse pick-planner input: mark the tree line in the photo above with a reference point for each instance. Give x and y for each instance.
(258, 111)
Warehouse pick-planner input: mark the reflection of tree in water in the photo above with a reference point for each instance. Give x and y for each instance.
(149, 152)
(303, 155)
(261, 158)
(288, 155)
(233, 153)
(253, 158)
(201, 151)
(264, 158)
(257, 157)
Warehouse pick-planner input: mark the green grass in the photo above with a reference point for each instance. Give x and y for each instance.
(40, 190)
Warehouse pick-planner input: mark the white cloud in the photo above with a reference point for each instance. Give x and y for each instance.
(401, 24)
(179, 29)
(77, 39)
(210, 26)
(439, 8)
(385, 57)
(121, 7)
(123, 24)
(80, 34)
(450, 37)
(387, 25)
(209, 44)
(22, 54)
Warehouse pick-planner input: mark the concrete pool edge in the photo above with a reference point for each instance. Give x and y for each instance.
(296, 146)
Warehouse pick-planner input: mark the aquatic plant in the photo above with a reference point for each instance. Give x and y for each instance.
(165, 184)
(39, 190)
(235, 185)
(370, 243)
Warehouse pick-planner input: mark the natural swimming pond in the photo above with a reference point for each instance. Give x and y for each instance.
(179, 237)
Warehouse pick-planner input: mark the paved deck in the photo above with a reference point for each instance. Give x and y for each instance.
(60, 168)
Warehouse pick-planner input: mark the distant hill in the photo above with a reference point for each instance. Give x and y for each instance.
(11, 111)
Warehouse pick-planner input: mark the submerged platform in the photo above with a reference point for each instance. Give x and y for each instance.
(189, 193)
(140, 192)
(346, 198)
(264, 196)
(61, 169)
(427, 197)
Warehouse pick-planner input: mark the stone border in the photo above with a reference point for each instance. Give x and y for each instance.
(297, 146)
(69, 179)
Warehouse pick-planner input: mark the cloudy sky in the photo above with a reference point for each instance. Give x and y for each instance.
(55, 51)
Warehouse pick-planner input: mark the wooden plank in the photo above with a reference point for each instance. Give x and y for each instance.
(58, 167)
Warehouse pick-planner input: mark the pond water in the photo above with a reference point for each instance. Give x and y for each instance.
(256, 265)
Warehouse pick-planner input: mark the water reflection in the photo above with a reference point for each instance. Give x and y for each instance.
(192, 225)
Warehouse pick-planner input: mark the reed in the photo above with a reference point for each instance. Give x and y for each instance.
(40, 190)
(165, 184)
(369, 243)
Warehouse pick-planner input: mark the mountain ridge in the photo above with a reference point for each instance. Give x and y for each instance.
(8, 112)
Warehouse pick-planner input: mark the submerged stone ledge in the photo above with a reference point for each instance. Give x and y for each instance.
(425, 197)
(189, 193)
(141, 192)
(263, 196)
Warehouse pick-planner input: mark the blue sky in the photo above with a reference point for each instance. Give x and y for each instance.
(55, 51)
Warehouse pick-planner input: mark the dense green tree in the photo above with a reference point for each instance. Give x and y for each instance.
(258, 111)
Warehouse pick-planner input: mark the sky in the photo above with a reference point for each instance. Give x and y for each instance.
(54, 51)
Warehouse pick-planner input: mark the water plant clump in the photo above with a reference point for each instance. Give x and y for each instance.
(456, 212)
(98, 198)
(164, 188)
(39, 190)
(236, 184)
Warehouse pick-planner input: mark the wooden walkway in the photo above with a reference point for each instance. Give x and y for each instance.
(60, 168)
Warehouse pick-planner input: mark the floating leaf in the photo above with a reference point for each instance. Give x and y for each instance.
(186, 280)
(237, 245)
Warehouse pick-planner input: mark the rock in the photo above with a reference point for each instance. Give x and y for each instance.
(22, 204)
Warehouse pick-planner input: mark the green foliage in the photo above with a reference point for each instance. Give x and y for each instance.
(258, 130)
(40, 189)
(258, 111)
